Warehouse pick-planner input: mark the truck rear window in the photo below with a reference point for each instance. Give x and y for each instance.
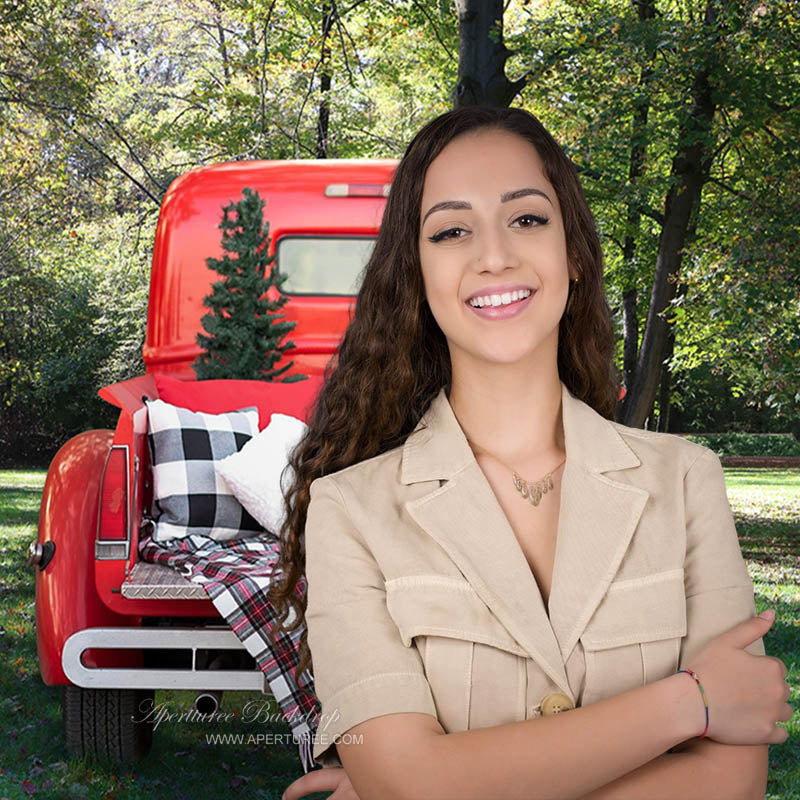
(323, 265)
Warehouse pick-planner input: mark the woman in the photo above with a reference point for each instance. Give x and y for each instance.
(484, 547)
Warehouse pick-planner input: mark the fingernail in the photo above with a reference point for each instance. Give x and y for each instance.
(768, 614)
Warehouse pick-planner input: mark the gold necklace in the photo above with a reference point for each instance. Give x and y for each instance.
(529, 491)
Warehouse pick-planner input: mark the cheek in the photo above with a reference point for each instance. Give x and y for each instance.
(441, 291)
(442, 312)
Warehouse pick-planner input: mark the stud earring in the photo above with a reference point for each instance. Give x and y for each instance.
(574, 282)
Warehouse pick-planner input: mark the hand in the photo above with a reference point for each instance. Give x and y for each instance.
(746, 694)
(328, 779)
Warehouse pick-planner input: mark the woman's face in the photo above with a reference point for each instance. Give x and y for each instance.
(490, 223)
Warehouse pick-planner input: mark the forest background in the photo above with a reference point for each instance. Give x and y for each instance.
(683, 119)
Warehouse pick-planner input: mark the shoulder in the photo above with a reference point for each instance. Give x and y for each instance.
(373, 477)
(662, 450)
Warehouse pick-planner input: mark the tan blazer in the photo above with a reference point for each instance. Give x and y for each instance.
(421, 599)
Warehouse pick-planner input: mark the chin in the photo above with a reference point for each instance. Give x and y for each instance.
(507, 356)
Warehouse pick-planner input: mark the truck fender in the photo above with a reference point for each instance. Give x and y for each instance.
(66, 597)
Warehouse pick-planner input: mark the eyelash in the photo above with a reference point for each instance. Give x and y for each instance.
(442, 235)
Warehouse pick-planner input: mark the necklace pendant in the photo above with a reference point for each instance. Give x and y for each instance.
(533, 491)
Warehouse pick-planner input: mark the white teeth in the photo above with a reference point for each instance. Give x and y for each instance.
(499, 299)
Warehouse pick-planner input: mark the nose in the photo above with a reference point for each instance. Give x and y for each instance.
(495, 251)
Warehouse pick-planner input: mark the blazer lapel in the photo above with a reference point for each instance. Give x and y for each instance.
(597, 518)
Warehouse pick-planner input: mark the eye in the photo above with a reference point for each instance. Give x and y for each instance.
(538, 219)
(438, 237)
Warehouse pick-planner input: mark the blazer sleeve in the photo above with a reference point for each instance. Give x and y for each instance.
(361, 667)
(719, 590)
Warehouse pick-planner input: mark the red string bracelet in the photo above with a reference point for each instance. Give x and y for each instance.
(702, 692)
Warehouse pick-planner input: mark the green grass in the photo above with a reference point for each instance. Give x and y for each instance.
(182, 764)
(766, 505)
(34, 763)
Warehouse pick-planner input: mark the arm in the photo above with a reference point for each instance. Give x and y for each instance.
(360, 666)
(700, 770)
(535, 758)
(374, 689)
(719, 595)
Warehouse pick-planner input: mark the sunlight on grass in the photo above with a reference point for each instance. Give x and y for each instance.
(25, 479)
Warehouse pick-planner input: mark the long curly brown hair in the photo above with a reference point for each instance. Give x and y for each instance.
(394, 359)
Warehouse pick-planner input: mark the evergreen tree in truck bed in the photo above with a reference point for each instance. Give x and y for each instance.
(244, 329)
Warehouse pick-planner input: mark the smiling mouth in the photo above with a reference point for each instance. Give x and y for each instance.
(500, 300)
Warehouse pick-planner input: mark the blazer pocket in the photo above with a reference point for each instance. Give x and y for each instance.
(634, 636)
(475, 668)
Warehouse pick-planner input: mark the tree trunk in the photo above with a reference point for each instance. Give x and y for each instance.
(665, 395)
(325, 82)
(664, 388)
(481, 61)
(690, 168)
(646, 9)
(223, 49)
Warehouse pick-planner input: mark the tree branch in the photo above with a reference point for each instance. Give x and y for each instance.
(136, 158)
(435, 29)
(113, 162)
(731, 189)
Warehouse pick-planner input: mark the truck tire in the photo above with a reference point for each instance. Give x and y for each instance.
(108, 724)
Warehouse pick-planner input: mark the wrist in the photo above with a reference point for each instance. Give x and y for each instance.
(686, 704)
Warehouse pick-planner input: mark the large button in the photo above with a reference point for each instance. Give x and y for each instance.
(556, 703)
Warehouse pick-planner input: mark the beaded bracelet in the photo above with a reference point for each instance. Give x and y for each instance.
(699, 686)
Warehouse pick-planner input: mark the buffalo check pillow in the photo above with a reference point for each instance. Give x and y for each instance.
(188, 496)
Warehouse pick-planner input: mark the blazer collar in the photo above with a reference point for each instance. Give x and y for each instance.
(597, 518)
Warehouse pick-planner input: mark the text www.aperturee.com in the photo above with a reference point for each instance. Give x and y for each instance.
(277, 738)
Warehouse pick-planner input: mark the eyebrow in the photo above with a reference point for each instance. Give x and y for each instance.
(504, 198)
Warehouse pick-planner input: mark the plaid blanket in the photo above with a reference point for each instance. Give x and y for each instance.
(236, 575)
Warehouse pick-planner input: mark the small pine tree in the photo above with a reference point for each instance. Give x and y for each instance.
(244, 331)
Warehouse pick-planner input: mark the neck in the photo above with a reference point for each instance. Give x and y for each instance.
(516, 419)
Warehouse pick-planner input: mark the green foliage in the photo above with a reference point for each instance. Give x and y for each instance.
(749, 444)
(706, 398)
(244, 331)
(594, 64)
(102, 105)
(73, 324)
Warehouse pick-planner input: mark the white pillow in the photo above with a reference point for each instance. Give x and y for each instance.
(254, 473)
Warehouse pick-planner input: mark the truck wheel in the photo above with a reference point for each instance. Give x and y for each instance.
(111, 724)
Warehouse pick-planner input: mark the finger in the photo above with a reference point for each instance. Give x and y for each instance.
(781, 735)
(751, 629)
(319, 780)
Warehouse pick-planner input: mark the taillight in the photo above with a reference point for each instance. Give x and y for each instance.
(112, 521)
(357, 190)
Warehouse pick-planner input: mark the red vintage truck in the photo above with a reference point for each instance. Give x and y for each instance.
(112, 629)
